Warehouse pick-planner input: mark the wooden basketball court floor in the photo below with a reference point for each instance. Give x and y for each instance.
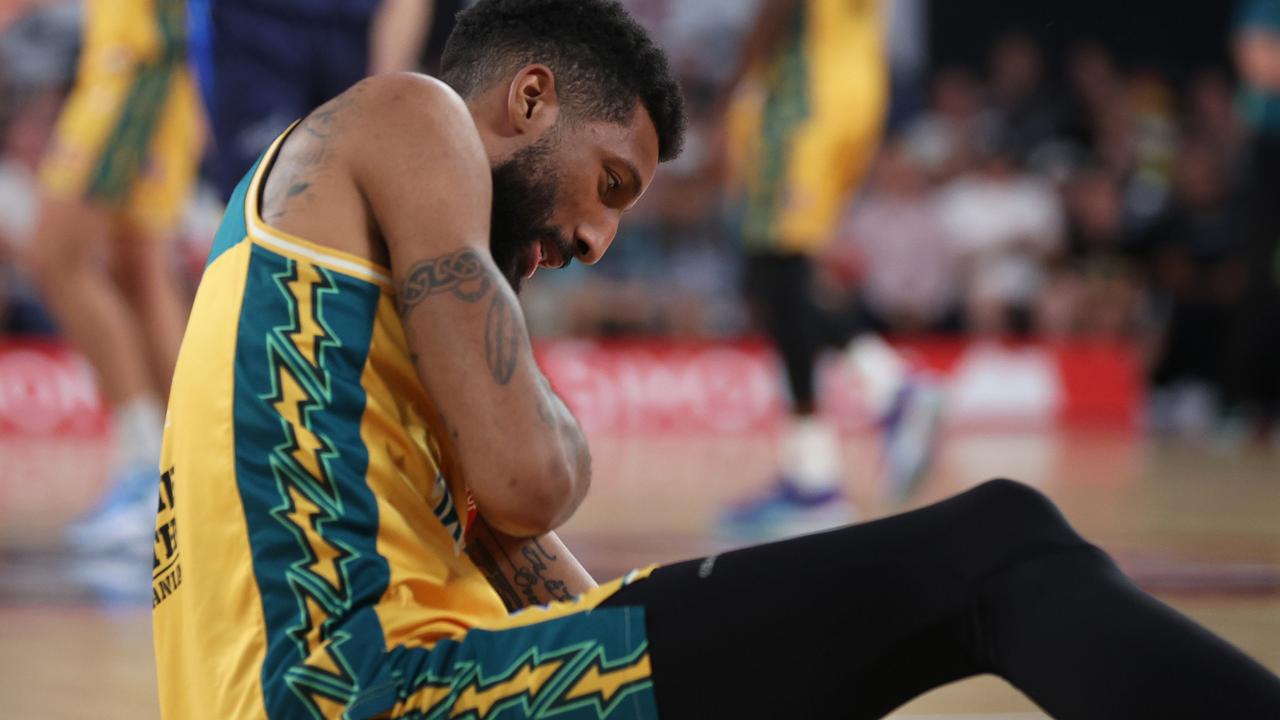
(1197, 525)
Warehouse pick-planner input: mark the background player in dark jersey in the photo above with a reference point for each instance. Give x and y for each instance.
(262, 64)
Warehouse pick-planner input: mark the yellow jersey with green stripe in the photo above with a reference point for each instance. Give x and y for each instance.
(804, 126)
(309, 557)
(131, 133)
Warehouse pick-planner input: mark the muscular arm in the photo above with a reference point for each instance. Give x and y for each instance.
(422, 170)
(526, 571)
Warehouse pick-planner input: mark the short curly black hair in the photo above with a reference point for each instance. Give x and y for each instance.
(603, 60)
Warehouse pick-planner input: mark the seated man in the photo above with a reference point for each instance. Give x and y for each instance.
(363, 464)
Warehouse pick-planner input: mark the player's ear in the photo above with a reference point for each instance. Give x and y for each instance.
(532, 102)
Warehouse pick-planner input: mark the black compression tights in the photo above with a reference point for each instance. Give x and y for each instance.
(854, 622)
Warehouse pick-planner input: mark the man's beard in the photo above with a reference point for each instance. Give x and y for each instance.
(524, 195)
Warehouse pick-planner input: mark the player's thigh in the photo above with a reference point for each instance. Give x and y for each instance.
(70, 234)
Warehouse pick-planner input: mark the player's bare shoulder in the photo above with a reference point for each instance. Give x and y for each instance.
(416, 131)
(392, 134)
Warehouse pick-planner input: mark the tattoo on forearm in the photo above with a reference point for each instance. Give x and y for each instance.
(530, 575)
(484, 559)
(530, 579)
(461, 273)
(502, 339)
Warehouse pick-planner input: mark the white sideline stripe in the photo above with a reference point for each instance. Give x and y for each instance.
(354, 268)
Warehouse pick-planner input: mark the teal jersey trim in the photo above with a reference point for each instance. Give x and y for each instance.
(301, 472)
(234, 228)
(602, 641)
(289, 508)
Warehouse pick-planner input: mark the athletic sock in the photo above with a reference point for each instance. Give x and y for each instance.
(811, 460)
(138, 426)
(880, 370)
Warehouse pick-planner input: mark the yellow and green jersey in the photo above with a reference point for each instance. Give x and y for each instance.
(131, 133)
(805, 125)
(309, 552)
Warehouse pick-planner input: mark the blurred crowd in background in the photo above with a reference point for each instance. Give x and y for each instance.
(1071, 196)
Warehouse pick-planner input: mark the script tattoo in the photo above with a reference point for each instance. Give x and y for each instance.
(529, 575)
(482, 556)
(501, 339)
(526, 582)
(461, 273)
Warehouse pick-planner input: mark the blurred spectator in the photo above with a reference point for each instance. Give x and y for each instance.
(38, 48)
(1255, 347)
(38, 43)
(1193, 248)
(1093, 286)
(1017, 94)
(1094, 88)
(1003, 224)
(895, 248)
(943, 139)
(1154, 145)
(1211, 117)
(21, 147)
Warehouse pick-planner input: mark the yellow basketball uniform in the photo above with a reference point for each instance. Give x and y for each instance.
(131, 133)
(309, 557)
(804, 128)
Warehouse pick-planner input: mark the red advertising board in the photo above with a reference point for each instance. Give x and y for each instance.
(696, 387)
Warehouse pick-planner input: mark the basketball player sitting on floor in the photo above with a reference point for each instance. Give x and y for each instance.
(364, 464)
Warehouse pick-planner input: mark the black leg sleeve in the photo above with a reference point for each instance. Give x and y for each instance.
(854, 622)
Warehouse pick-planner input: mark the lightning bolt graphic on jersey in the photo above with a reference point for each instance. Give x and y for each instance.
(324, 558)
(472, 695)
(576, 682)
(301, 393)
(605, 683)
(307, 452)
(305, 288)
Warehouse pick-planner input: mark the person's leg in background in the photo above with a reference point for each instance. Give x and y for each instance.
(143, 260)
(105, 150)
(804, 133)
(807, 492)
(852, 623)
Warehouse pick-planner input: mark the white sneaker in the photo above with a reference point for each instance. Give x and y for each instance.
(785, 511)
(911, 429)
(123, 521)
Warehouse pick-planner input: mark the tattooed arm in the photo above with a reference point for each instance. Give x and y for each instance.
(526, 571)
(425, 175)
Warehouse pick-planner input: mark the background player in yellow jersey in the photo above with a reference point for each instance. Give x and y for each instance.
(364, 465)
(808, 102)
(113, 186)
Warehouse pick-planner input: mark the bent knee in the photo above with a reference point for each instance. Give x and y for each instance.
(1014, 496)
(1022, 514)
